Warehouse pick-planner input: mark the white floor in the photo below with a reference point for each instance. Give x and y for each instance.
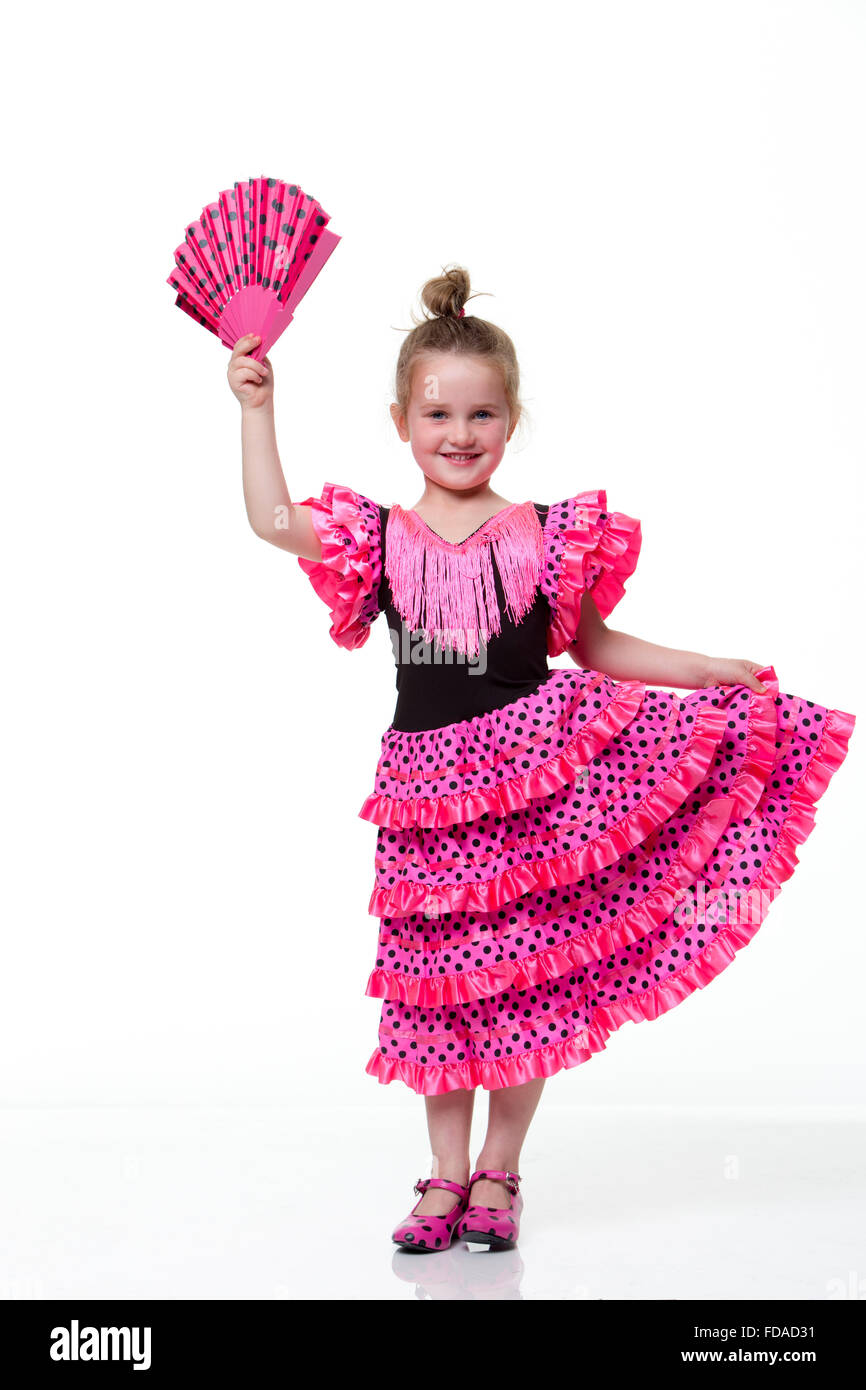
(270, 1203)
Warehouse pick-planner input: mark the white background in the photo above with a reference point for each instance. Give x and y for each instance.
(666, 203)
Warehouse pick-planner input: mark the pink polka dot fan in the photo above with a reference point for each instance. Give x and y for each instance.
(248, 261)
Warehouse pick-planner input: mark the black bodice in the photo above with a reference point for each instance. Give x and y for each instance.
(437, 687)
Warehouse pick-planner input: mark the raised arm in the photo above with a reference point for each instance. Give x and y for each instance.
(271, 512)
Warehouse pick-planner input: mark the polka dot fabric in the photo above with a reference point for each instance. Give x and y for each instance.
(503, 760)
(347, 576)
(582, 929)
(636, 779)
(587, 549)
(583, 856)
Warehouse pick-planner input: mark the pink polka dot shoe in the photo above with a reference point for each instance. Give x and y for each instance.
(497, 1227)
(424, 1234)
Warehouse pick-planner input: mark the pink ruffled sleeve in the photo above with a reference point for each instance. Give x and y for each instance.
(348, 575)
(587, 550)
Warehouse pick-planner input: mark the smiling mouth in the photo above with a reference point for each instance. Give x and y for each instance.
(462, 458)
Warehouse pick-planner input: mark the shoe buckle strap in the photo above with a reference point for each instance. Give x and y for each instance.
(511, 1180)
(423, 1183)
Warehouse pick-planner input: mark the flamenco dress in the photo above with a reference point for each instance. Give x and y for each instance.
(557, 852)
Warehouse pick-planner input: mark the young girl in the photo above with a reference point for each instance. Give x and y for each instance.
(559, 850)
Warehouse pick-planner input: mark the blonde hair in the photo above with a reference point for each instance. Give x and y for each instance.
(444, 296)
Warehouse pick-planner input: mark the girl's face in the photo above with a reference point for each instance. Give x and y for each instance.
(457, 422)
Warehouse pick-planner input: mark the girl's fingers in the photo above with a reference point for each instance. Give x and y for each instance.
(752, 667)
(755, 667)
(249, 362)
(245, 345)
(247, 374)
(739, 672)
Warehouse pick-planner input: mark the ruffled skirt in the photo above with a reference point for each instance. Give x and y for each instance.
(589, 854)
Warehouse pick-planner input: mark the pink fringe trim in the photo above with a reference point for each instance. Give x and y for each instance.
(513, 882)
(433, 812)
(656, 999)
(444, 589)
(615, 544)
(344, 575)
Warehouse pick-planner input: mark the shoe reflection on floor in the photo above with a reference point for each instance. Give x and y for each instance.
(461, 1272)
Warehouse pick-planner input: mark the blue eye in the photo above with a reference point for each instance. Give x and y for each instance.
(434, 413)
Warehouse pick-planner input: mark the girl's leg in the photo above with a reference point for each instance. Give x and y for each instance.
(511, 1110)
(449, 1123)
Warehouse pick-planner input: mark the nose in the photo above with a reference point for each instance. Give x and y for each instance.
(461, 437)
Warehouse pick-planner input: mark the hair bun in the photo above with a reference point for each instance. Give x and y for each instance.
(446, 294)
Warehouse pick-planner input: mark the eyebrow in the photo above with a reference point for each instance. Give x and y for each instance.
(444, 405)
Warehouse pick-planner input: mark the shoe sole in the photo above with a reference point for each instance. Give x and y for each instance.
(414, 1248)
(485, 1238)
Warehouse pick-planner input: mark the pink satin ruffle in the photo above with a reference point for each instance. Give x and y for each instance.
(633, 924)
(612, 545)
(552, 962)
(343, 578)
(656, 806)
(651, 1003)
(409, 754)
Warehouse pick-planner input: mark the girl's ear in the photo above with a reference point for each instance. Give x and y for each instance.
(400, 422)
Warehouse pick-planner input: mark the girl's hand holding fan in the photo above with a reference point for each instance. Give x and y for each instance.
(252, 382)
